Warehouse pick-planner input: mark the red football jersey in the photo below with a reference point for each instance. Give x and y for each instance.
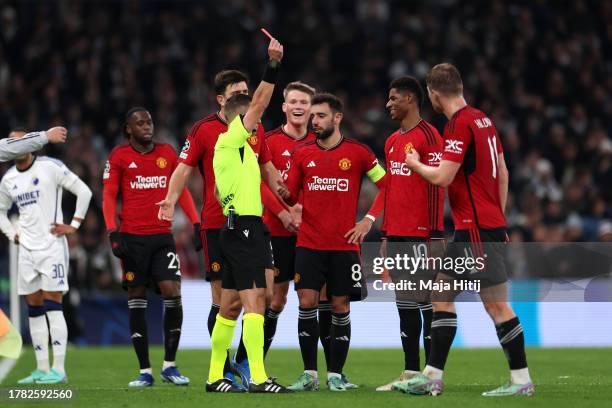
(143, 182)
(413, 206)
(470, 138)
(198, 151)
(330, 182)
(281, 146)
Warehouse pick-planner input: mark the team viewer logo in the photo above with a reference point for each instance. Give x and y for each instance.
(252, 140)
(161, 162)
(328, 184)
(344, 164)
(184, 150)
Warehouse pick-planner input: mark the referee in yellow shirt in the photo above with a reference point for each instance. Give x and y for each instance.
(244, 247)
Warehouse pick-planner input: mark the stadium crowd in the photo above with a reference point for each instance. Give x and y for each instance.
(541, 69)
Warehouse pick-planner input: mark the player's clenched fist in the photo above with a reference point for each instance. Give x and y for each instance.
(57, 134)
(275, 50)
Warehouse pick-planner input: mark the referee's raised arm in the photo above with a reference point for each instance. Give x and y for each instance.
(263, 93)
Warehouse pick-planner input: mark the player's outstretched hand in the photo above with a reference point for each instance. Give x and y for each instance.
(283, 190)
(412, 158)
(359, 231)
(275, 50)
(288, 221)
(166, 210)
(62, 229)
(57, 134)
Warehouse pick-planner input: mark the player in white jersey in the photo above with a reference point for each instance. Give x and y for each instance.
(12, 148)
(35, 185)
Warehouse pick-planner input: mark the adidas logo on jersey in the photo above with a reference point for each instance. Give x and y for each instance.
(286, 153)
(311, 164)
(357, 285)
(391, 150)
(132, 166)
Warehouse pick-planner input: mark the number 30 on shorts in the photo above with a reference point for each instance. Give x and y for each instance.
(58, 271)
(174, 263)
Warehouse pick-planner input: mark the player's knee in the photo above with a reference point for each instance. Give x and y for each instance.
(499, 311)
(35, 299)
(137, 292)
(341, 304)
(278, 302)
(443, 307)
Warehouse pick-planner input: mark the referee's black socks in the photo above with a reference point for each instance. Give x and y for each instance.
(308, 336)
(173, 320)
(340, 341)
(138, 328)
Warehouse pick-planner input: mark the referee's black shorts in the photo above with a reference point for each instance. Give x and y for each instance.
(246, 254)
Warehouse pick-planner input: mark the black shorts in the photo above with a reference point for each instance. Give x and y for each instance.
(211, 249)
(246, 254)
(487, 248)
(283, 249)
(412, 248)
(340, 270)
(150, 259)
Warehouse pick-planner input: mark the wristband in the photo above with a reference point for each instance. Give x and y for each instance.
(75, 223)
(370, 217)
(271, 73)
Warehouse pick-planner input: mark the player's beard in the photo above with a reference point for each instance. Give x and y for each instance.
(325, 133)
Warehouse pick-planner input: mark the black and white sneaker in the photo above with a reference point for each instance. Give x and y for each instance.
(222, 385)
(270, 385)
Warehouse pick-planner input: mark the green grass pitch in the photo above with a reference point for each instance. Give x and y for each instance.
(564, 378)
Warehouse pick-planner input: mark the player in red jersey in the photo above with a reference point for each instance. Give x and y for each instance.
(474, 170)
(139, 171)
(198, 151)
(281, 219)
(328, 173)
(410, 223)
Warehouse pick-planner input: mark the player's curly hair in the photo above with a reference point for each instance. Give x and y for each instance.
(410, 84)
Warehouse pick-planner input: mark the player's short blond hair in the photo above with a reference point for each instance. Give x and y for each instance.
(446, 79)
(299, 86)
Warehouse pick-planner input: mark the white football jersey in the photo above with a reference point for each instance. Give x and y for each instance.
(37, 192)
